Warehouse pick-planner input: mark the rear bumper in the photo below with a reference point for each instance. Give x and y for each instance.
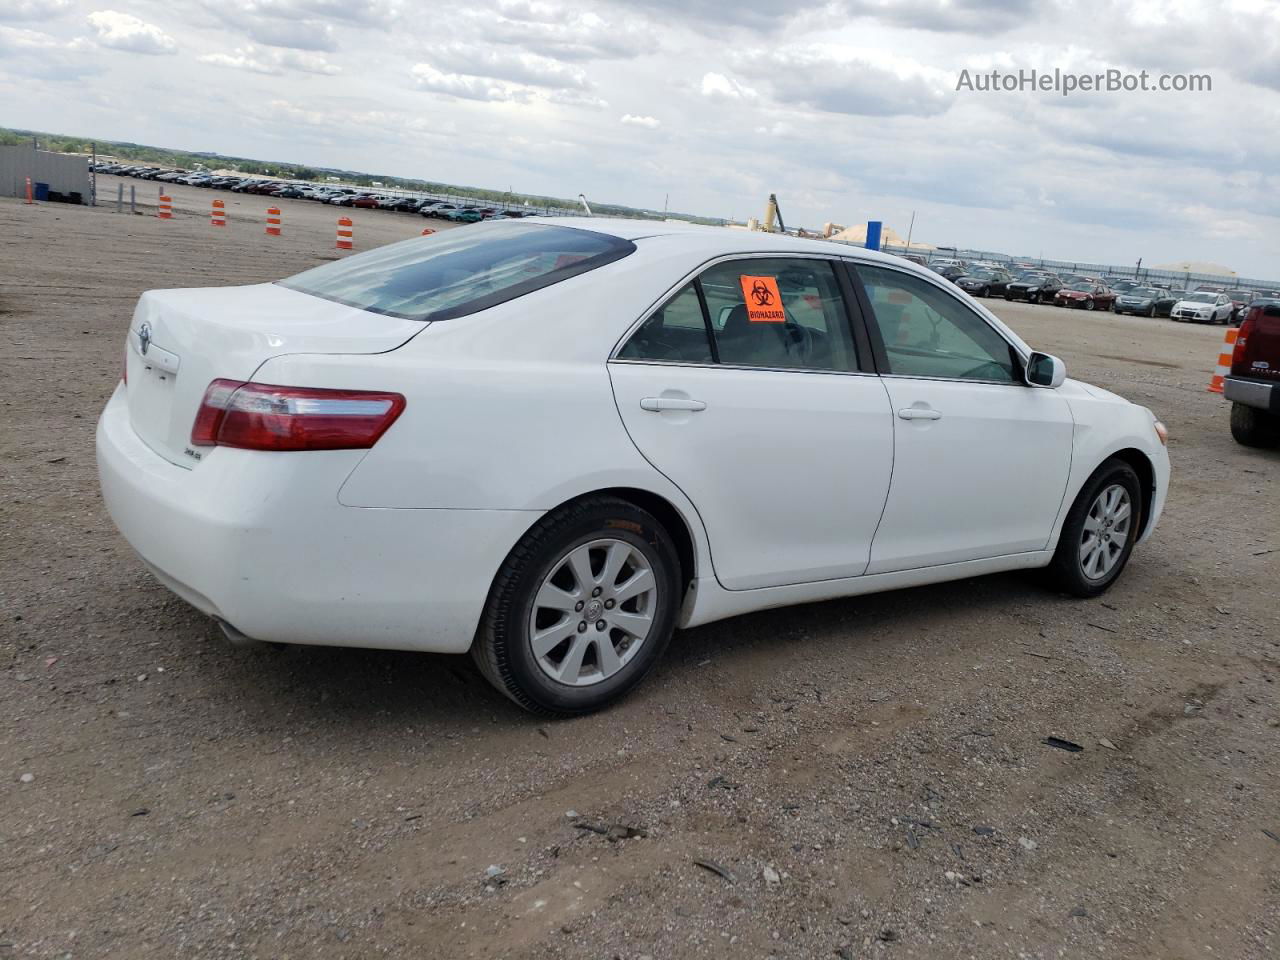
(1253, 393)
(259, 541)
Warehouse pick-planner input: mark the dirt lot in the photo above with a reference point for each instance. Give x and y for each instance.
(868, 773)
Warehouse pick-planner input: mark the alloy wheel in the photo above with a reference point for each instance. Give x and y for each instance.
(593, 612)
(1106, 531)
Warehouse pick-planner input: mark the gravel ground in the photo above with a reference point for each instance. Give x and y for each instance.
(859, 778)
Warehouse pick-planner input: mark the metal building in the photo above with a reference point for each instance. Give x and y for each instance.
(63, 173)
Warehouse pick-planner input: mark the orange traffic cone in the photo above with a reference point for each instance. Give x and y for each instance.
(1224, 360)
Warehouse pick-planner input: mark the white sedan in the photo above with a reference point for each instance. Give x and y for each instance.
(1204, 307)
(552, 443)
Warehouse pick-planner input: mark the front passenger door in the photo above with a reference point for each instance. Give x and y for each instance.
(980, 458)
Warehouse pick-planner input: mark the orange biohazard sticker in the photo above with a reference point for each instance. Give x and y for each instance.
(764, 303)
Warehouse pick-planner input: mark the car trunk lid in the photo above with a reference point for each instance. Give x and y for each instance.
(181, 340)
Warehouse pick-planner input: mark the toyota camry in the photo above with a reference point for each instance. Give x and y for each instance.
(551, 443)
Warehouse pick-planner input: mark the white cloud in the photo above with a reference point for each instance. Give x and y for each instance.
(650, 123)
(14, 39)
(33, 9)
(486, 62)
(123, 31)
(718, 86)
(271, 62)
(466, 87)
(853, 81)
(275, 23)
(568, 34)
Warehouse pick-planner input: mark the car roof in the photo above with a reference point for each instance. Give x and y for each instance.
(720, 240)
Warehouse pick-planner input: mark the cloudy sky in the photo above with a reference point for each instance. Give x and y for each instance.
(847, 110)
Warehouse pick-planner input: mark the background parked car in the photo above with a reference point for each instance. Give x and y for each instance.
(1239, 300)
(1165, 302)
(1086, 294)
(1034, 286)
(1138, 301)
(948, 271)
(985, 281)
(1203, 306)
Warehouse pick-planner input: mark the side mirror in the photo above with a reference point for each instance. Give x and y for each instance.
(1044, 370)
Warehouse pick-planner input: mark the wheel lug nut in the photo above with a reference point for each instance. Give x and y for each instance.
(600, 624)
(582, 626)
(578, 606)
(608, 604)
(595, 592)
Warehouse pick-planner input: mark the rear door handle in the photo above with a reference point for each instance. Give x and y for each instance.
(920, 413)
(658, 404)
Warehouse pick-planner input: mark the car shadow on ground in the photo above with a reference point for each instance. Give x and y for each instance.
(375, 688)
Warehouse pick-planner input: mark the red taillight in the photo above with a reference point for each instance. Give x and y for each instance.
(259, 416)
(1242, 335)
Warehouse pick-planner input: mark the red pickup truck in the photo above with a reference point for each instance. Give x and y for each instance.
(1253, 386)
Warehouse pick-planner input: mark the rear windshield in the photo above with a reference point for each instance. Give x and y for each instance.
(460, 271)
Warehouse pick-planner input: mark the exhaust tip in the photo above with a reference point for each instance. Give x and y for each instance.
(236, 638)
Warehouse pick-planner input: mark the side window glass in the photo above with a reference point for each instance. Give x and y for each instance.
(676, 332)
(929, 333)
(779, 313)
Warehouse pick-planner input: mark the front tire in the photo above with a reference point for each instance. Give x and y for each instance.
(1088, 304)
(582, 608)
(1099, 533)
(1251, 427)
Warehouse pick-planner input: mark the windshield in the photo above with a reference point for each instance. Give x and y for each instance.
(1241, 295)
(982, 273)
(1146, 293)
(1081, 286)
(1203, 298)
(461, 271)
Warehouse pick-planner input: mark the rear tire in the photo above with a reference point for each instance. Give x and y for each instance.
(1252, 427)
(1088, 561)
(557, 584)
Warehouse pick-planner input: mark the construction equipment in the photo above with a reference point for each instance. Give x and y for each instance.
(771, 212)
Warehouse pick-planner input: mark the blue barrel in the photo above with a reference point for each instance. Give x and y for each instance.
(42, 191)
(873, 234)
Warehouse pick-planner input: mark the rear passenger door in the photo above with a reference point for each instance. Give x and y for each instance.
(748, 390)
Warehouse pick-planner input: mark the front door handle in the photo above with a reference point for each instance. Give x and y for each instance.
(658, 404)
(920, 413)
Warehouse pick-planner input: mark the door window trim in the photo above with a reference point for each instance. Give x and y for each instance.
(863, 347)
(881, 356)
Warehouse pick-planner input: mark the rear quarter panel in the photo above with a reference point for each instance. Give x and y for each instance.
(509, 409)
